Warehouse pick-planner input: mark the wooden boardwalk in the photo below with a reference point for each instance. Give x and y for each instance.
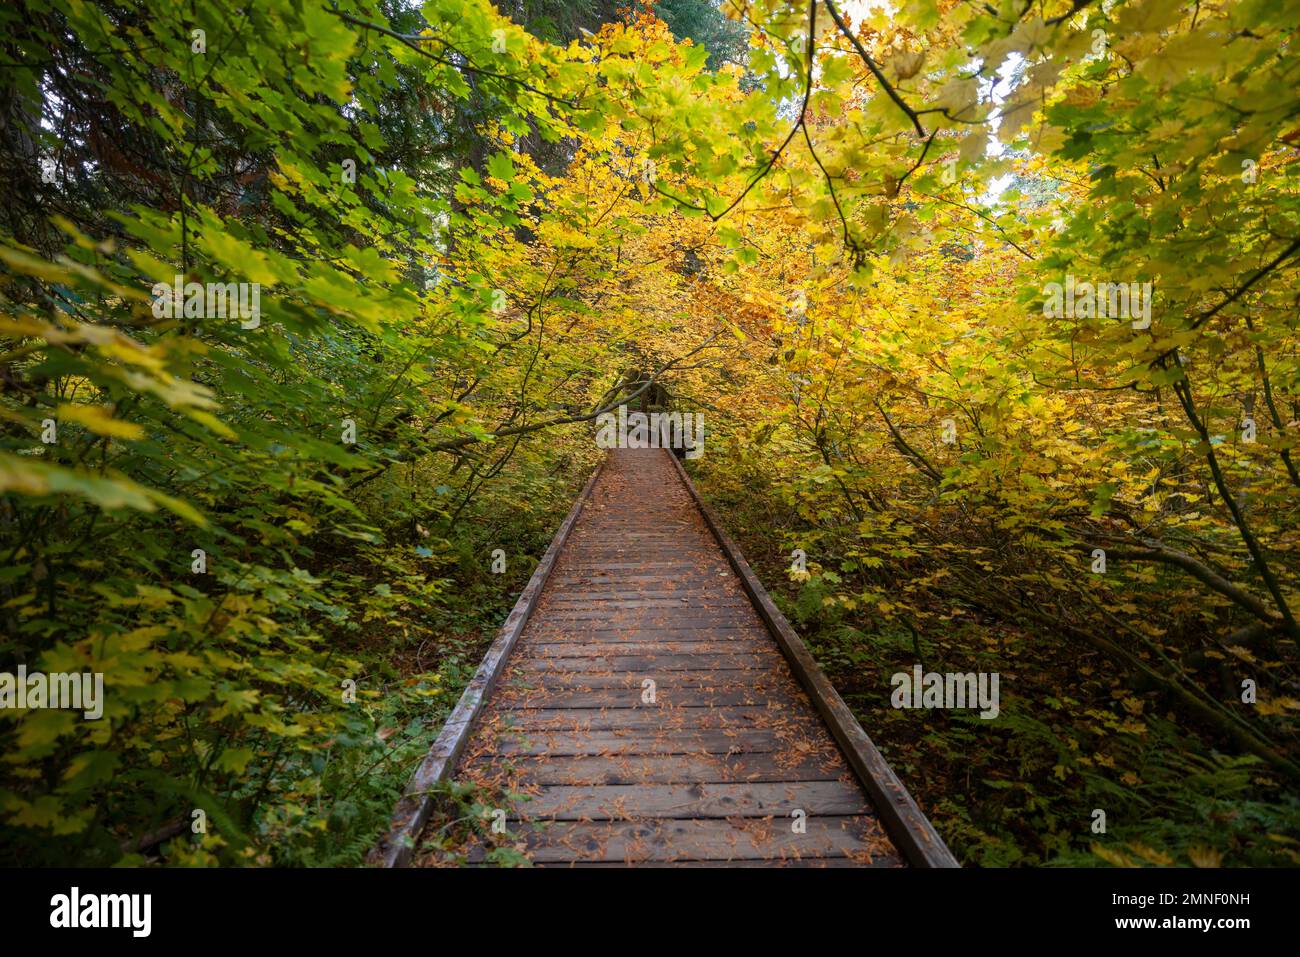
(646, 711)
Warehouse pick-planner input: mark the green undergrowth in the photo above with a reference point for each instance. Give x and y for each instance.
(289, 694)
(1075, 734)
(468, 826)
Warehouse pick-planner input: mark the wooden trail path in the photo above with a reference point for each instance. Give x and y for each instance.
(652, 706)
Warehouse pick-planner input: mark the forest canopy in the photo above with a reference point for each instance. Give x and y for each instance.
(307, 310)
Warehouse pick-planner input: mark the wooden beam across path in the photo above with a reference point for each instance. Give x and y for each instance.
(647, 703)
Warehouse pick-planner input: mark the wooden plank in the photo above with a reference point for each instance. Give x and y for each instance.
(607, 600)
(686, 575)
(909, 827)
(665, 698)
(587, 770)
(613, 719)
(605, 607)
(801, 862)
(638, 741)
(708, 839)
(655, 591)
(615, 589)
(692, 632)
(577, 561)
(413, 809)
(621, 802)
(678, 615)
(574, 578)
(569, 651)
(719, 679)
(648, 661)
(671, 689)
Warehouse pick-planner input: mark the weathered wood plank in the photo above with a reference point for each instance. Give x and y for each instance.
(801, 862)
(613, 719)
(856, 837)
(664, 698)
(638, 741)
(631, 632)
(621, 802)
(649, 605)
(542, 650)
(648, 661)
(542, 685)
(677, 615)
(659, 591)
(525, 770)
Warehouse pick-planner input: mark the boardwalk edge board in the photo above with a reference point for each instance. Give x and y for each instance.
(904, 821)
(412, 811)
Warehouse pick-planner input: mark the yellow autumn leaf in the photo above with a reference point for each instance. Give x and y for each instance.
(99, 419)
(1205, 856)
(1112, 857)
(1151, 854)
(1272, 707)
